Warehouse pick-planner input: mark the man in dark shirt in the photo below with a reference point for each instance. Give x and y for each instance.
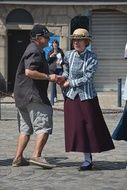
(30, 92)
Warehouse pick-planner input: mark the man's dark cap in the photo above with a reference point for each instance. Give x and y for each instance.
(39, 30)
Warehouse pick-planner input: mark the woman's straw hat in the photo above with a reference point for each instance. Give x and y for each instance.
(80, 33)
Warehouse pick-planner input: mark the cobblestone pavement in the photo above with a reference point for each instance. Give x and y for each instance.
(109, 171)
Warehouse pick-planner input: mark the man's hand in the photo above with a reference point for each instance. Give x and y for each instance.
(53, 77)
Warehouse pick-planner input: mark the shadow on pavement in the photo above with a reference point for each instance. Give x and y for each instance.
(62, 162)
(98, 165)
(108, 165)
(6, 162)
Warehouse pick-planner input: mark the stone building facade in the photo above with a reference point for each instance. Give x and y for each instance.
(17, 18)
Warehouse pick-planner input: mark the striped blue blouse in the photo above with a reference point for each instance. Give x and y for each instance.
(79, 69)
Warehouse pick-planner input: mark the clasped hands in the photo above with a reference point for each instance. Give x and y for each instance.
(60, 80)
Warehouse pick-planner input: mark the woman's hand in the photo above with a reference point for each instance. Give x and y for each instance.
(60, 80)
(53, 54)
(66, 84)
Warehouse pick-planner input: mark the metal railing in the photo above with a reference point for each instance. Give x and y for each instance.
(119, 90)
(8, 110)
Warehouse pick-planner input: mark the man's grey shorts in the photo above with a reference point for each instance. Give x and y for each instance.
(35, 117)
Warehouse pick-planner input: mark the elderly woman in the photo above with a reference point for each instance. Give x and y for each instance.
(85, 128)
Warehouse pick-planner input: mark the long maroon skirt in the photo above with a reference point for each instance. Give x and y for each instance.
(85, 128)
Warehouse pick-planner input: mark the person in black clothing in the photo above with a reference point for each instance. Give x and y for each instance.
(31, 99)
(55, 60)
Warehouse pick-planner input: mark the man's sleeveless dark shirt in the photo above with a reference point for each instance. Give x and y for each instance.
(28, 90)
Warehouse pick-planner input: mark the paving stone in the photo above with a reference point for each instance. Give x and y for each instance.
(109, 172)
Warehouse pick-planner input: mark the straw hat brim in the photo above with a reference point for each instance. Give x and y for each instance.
(78, 37)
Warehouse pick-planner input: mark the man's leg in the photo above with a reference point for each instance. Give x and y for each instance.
(42, 124)
(41, 140)
(22, 143)
(25, 129)
(36, 159)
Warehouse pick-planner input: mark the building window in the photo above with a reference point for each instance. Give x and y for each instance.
(19, 16)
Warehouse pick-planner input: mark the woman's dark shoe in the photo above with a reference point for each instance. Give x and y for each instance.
(85, 168)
